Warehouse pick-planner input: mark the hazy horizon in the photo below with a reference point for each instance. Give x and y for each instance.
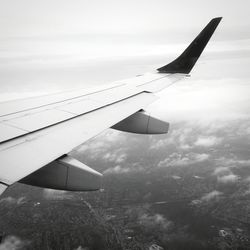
(188, 189)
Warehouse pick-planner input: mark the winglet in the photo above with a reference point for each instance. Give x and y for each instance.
(186, 61)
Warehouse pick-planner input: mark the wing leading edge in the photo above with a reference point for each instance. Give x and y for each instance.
(28, 143)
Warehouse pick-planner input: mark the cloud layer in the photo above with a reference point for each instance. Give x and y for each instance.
(12, 243)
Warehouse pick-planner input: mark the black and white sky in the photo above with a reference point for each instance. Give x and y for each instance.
(61, 17)
(47, 46)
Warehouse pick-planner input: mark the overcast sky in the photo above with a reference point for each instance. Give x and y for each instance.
(47, 46)
(32, 17)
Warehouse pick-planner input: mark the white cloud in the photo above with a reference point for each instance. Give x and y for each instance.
(205, 100)
(231, 178)
(208, 141)
(247, 181)
(103, 146)
(154, 220)
(214, 195)
(81, 248)
(247, 192)
(159, 144)
(13, 201)
(176, 177)
(178, 137)
(198, 177)
(112, 136)
(225, 175)
(117, 170)
(221, 171)
(118, 156)
(185, 146)
(200, 157)
(243, 129)
(12, 243)
(121, 158)
(52, 194)
(196, 202)
(176, 159)
(232, 162)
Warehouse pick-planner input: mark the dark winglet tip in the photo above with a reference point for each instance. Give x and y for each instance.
(186, 61)
(217, 19)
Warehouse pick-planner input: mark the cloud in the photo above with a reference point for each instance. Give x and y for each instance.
(12, 243)
(243, 129)
(117, 170)
(196, 202)
(200, 157)
(178, 137)
(211, 196)
(225, 175)
(221, 171)
(198, 177)
(205, 100)
(118, 156)
(81, 248)
(243, 162)
(13, 201)
(176, 159)
(154, 220)
(114, 136)
(231, 178)
(176, 177)
(247, 179)
(105, 146)
(233, 162)
(247, 192)
(159, 144)
(52, 194)
(207, 141)
(214, 195)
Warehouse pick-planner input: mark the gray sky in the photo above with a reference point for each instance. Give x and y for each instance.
(48, 46)
(32, 17)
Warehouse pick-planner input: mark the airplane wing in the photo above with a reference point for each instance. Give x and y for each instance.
(38, 133)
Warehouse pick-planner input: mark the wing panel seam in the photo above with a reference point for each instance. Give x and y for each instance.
(34, 131)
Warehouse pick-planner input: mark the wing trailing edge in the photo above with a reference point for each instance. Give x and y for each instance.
(186, 61)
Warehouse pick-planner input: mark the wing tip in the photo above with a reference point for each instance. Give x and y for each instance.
(217, 18)
(186, 61)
